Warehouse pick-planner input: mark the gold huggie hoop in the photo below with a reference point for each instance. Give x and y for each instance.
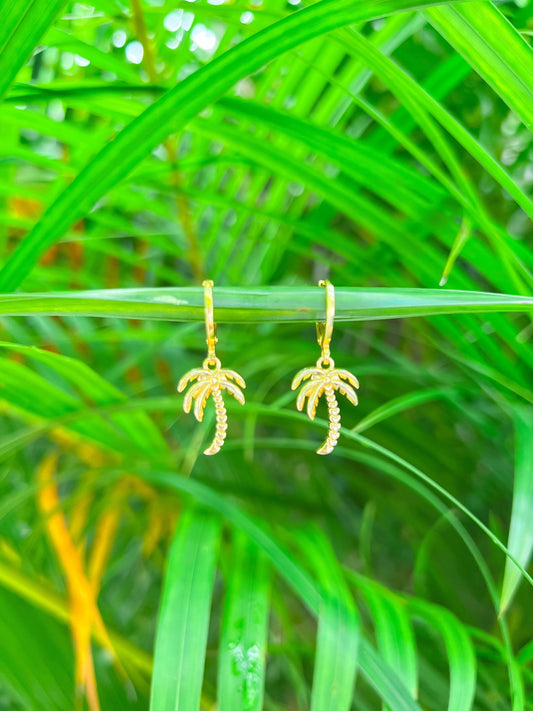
(211, 379)
(210, 327)
(325, 379)
(324, 330)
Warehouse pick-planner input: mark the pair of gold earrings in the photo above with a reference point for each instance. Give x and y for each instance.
(211, 379)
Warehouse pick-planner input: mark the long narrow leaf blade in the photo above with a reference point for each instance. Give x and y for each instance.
(338, 628)
(23, 24)
(460, 651)
(494, 49)
(520, 541)
(181, 636)
(394, 633)
(241, 669)
(336, 656)
(265, 304)
(389, 685)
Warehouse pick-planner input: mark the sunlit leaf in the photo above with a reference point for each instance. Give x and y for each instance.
(520, 541)
(243, 640)
(184, 614)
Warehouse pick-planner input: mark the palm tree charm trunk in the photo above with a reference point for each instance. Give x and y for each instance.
(334, 415)
(222, 422)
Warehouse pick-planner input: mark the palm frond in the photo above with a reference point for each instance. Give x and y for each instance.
(348, 391)
(234, 390)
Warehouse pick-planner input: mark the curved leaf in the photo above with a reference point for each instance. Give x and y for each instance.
(493, 48)
(520, 541)
(460, 651)
(23, 24)
(394, 634)
(172, 112)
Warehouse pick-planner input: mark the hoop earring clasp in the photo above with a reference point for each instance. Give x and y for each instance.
(324, 330)
(210, 327)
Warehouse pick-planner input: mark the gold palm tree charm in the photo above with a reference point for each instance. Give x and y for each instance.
(325, 379)
(211, 380)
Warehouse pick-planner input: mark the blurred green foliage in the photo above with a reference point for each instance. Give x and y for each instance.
(148, 145)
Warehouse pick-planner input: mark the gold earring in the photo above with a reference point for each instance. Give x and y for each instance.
(325, 378)
(211, 379)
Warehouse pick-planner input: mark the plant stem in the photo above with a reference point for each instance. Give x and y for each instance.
(194, 255)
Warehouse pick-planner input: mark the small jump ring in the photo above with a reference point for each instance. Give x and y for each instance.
(325, 363)
(213, 363)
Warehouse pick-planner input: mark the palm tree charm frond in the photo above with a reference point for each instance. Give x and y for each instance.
(211, 382)
(325, 381)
